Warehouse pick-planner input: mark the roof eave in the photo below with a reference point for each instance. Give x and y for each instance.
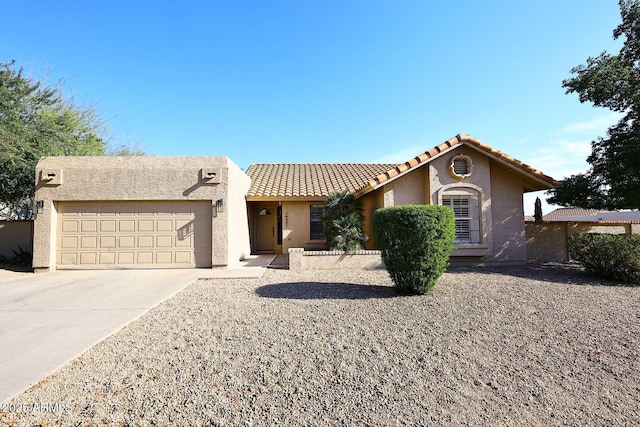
(285, 198)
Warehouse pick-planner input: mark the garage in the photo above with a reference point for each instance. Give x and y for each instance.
(131, 212)
(141, 234)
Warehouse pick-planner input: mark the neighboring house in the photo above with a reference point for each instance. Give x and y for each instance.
(592, 215)
(560, 213)
(482, 185)
(547, 240)
(139, 212)
(168, 212)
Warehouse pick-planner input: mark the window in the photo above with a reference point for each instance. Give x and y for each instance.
(465, 209)
(461, 166)
(316, 212)
(279, 221)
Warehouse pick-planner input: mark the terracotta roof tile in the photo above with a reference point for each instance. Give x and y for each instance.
(279, 180)
(573, 212)
(593, 215)
(310, 179)
(451, 143)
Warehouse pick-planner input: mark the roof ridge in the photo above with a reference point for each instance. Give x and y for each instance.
(457, 140)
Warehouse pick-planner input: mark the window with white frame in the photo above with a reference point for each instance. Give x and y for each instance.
(316, 212)
(467, 213)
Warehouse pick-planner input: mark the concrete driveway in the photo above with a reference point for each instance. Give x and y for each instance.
(49, 319)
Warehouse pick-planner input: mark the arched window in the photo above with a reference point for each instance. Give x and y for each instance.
(465, 203)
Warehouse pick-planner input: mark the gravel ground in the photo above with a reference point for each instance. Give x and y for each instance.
(517, 346)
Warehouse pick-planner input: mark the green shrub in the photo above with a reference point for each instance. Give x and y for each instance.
(343, 222)
(416, 242)
(610, 256)
(21, 257)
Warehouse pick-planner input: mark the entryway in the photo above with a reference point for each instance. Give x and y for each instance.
(264, 229)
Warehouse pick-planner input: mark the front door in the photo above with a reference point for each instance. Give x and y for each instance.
(265, 229)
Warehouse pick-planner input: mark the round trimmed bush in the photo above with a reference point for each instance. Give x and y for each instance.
(416, 242)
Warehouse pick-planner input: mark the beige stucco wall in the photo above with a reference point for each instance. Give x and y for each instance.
(478, 183)
(15, 235)
(237, 220)
(409, 189)
(499, 192)
(122, 178)
(369, 203)
(333, 260)
(296, 226)
(547, 241)
(509, 243)
(582, 227)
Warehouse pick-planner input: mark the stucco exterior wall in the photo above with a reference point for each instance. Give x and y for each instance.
(15, 235)
(582, 227)
(499, 192)
(299, 259)
(121, 178)
(509, 243)
(370, 202)
(296, 227)
(478, 184)
(407, 190)
(237, 219)
(547, 241)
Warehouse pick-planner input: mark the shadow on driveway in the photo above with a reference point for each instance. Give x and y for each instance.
(320, 290)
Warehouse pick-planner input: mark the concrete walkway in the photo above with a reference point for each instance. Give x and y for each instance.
(252, 267)
(49, 319)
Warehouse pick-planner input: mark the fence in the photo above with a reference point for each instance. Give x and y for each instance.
(15, 235)
(547, 241)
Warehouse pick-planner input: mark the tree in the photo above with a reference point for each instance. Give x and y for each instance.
(35, 121)
(343, 223)
(611, 81)
(537, 213)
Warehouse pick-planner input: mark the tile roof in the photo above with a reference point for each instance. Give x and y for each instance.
(563, 212)
(461, 139)
(284, 180)
(592, 215)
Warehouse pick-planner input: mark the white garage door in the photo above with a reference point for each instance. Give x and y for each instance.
(111, 235)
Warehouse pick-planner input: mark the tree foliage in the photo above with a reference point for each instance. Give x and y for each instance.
(35, 121)
(343, 222)
(537, 213)
(610, 81)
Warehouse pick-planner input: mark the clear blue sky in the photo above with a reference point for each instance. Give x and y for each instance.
(324, 81)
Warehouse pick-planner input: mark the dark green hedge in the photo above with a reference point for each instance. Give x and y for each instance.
(416, 242)
(610, 256)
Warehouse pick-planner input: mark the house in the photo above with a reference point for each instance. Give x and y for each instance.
(482, 185)
(592, 215)
(547, 240)
(139, 212)
(168, 212)
(561, 213)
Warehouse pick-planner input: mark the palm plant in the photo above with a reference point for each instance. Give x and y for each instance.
(343, 222)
